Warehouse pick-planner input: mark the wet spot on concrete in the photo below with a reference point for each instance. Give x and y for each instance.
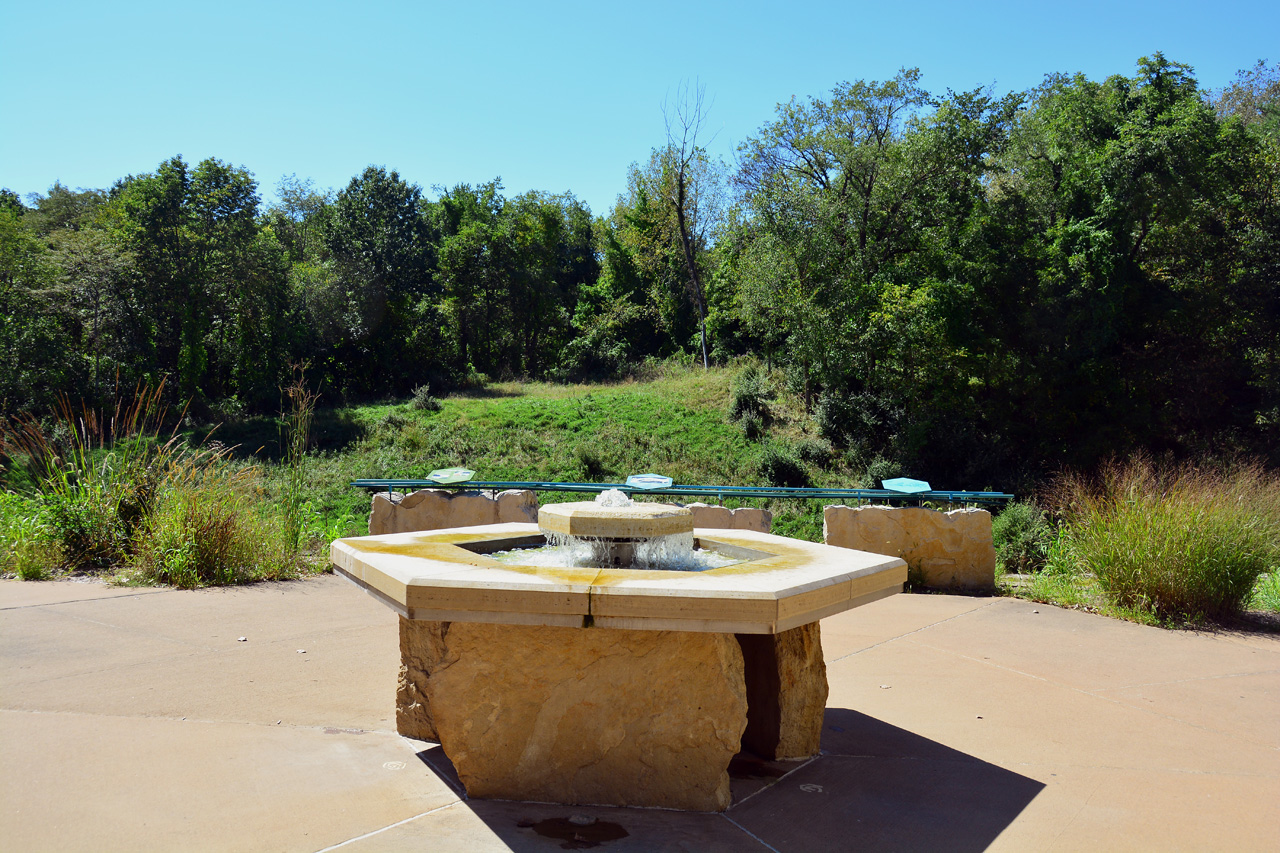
(573, 834)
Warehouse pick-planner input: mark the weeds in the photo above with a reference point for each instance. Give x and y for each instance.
(1266, 592)
(203, 535)
(24, 538)
(299, 412)
(423, 401)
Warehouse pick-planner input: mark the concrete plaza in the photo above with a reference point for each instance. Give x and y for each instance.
(138, 719)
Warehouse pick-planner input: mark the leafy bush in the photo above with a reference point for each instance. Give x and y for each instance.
(879, 470)
(89, 531)
(1022, 537)
(813, 451)
(1181, 543)
(780, 468)
(750, 395)
(752, 426)
(423, 401)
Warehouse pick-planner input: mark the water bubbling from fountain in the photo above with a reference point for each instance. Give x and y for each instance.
(616, 532)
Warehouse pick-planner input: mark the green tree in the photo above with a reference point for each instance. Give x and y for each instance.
(35, 364)
(380, 246)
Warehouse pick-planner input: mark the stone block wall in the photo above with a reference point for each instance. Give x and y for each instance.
(723, 518)
(946, 550)
(435, 509)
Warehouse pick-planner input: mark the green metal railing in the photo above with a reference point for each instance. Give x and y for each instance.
(719, 492)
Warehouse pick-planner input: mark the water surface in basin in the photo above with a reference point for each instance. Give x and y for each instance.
(679, 556)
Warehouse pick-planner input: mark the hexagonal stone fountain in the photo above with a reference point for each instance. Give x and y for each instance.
(603, 682)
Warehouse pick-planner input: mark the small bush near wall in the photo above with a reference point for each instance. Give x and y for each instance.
(1022, 537)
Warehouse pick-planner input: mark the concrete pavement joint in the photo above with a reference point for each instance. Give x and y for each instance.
(916, 631)
(758, 839)
(338, 729)
(79, 600)
(780, 778)
(383, 829)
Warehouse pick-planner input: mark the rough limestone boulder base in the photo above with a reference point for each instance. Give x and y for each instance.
(583, 716)
(951, 550)
(421, 650)
(437, 509)
(786, 680)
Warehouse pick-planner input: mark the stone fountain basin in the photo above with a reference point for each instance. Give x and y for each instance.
(783, 583)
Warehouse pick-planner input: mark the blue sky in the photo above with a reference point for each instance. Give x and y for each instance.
(552, 96)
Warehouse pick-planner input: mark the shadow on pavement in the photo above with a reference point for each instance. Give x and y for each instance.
(875, 787)
(879, 787)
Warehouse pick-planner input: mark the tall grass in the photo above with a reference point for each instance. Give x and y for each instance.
(205, 532)
(1182, 542)
(116, 493)
(299, 411)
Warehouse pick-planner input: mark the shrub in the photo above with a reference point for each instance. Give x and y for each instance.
(202, 535)
(1022, 537)
(752, 426)
(423, 401)
(879, 470)
(1181, 543)
(750, 395)
(88, 530)
(814, 451)
(780, 468)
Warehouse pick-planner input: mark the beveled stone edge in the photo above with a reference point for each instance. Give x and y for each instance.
(748, 608)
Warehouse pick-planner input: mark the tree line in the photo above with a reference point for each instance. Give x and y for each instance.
(975, 287)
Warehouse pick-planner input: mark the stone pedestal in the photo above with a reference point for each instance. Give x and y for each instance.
(608, 717)
(786, 680)
(578, 715)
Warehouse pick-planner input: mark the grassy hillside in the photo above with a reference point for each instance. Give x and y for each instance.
(676, 423)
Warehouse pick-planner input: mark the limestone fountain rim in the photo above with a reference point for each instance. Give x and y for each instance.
(439, 575)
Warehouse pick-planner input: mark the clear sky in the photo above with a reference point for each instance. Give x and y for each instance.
(552, 96)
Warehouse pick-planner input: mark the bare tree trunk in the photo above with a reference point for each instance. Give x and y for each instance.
(690, 113)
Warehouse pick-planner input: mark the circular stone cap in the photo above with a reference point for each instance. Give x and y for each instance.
(590, 520)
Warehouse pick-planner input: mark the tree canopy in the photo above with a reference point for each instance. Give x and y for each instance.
(978, 287)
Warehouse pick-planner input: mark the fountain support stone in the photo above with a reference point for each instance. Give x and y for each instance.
(606, 685)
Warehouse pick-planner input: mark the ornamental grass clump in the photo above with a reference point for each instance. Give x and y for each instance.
(204, 532)
(1182, 543)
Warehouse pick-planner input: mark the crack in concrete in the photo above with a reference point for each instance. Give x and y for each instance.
(916, 631)
(383, 829)
(137, 594)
